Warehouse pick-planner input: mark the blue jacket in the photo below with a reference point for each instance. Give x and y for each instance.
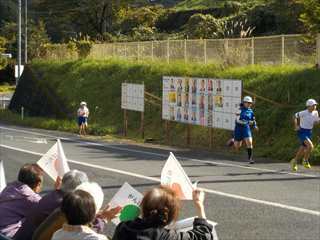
(246, 117)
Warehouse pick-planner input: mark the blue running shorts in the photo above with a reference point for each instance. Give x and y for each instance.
(242, 132)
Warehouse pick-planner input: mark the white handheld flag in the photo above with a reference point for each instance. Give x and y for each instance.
(175, 177)
(3, 183)
(54, 162)
(185, 225)
(129, 199)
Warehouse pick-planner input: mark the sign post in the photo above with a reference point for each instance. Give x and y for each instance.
(142, 125)
(167, 127)
(188, 135)
(210, 137)
(125, 122)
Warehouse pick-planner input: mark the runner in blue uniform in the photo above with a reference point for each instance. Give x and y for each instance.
(304, 122)
(244, 122)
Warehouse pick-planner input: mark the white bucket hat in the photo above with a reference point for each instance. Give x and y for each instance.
(311, 102)
(83, 103)
(248, 99)
(95, 191)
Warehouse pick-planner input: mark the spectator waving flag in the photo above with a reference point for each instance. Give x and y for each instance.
(175, 177)
(129, 199)
(3, 183)
(54, 162)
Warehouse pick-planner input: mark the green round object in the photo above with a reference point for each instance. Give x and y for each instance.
(129, 212)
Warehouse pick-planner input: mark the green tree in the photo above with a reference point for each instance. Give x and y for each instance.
(8, 11)
(131, 19)
(37, 36)
(3, 43)
(9, 31)
(3, 60)
(310, 15)
(203, 26)
(143, 33)
(66, 19)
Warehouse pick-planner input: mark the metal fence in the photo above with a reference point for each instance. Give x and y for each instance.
(282, 49)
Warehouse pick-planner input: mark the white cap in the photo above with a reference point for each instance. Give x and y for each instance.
(83, 103)
(311, 102)
(247, 99)
(95, 191)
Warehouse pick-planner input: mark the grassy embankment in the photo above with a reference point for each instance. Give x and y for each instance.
(98, 83)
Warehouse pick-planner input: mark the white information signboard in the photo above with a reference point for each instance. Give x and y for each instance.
(132, 97)
(201, 101)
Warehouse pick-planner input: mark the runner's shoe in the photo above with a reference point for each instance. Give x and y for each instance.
(294, 165)
(306, 163)
(251, 161)
(230, 142)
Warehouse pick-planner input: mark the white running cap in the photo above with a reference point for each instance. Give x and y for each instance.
(248, 99)
(311, 102)
(83, 103)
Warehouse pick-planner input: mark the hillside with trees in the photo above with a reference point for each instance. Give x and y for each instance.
(139, 20)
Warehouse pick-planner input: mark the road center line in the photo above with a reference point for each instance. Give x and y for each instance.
(239, 197)
(164, 155)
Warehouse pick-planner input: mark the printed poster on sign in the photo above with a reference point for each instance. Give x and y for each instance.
(54, 162)
(174, 176)
(132, 97)
(199, 100)
(129, 199)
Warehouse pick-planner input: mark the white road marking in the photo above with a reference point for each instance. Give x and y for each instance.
(36, 140)
(239, 197)
(27, 139)
(165, 155)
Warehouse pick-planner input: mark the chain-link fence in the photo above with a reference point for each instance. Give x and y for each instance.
(282, 49)
(59, 52)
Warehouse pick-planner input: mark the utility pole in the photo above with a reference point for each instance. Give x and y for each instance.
(25, 31)
(19, 41)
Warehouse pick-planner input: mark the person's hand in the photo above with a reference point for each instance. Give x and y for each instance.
(198, 200)
(198, 197)
(256, 129)
(296, 128)
(109, 213)
(58, 183)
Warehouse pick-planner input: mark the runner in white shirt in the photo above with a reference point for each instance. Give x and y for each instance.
(304, 122)
(83, 114)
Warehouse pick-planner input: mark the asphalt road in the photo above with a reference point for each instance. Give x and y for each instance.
(263, 201)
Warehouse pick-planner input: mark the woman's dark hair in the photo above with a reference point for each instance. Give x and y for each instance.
(30, 174)
(160, 206)
(79, 207)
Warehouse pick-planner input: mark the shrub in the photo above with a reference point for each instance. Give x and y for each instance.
(203, 26)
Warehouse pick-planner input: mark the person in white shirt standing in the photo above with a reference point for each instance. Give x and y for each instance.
(83, 114)
(304, 122)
